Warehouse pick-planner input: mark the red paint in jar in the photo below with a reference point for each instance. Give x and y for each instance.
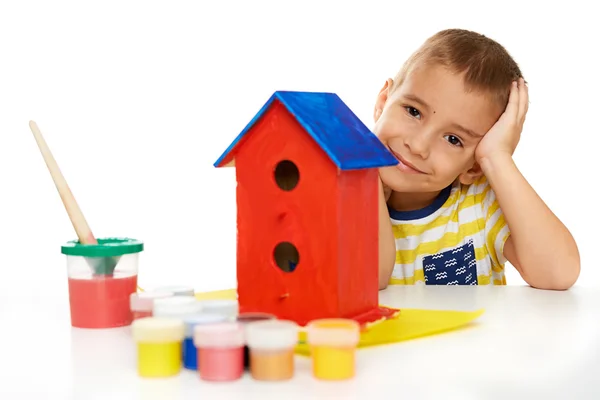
(220, 351)
(101, 301)
(218, 364)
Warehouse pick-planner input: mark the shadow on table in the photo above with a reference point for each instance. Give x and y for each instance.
(104, 366)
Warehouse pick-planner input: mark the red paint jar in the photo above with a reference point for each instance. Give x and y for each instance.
(102, 278)
(220, 351)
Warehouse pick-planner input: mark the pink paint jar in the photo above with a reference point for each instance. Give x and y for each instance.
(142, 303)
(220, 351)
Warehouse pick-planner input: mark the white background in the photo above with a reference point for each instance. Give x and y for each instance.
(138, 99)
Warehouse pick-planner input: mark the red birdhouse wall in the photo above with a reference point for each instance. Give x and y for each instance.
(307, 233)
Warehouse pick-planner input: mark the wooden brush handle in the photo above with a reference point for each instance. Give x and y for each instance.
(80, 225)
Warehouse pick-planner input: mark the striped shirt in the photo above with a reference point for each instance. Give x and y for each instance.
(457, 240)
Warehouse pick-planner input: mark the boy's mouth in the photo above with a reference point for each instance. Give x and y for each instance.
(404, 165)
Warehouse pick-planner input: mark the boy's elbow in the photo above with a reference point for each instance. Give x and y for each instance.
(564, 277)
(383, 284)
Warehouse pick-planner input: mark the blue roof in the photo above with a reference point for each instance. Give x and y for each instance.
(335, 128)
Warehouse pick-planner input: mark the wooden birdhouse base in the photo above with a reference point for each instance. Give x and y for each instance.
(366, 319)
(376, 315)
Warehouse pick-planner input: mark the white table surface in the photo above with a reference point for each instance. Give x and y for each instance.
(529, 344)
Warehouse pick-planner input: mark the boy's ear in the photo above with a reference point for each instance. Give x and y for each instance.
(382, 99)
(471, 175)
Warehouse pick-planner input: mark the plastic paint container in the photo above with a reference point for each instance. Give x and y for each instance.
(272, 345)
(158, 346)
(247, 318)
(220, 351)
(333, 343)
(101, 279)
(142, 303)
(228, 308)
(190, 353)
(176, 307)
(177, 290)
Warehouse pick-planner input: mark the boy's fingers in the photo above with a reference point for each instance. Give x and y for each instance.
(512, 108)
(523, 100)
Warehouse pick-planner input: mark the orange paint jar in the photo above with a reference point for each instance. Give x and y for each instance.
(250, 318)
(271, 346)
(333, 343)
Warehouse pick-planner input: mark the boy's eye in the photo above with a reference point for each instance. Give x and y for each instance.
(453, 140)
(413, 111)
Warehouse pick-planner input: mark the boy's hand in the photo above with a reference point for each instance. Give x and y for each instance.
(503, 137)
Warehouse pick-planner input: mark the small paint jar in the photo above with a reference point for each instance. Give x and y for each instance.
(272, 344)
(248, 318)
(177, 290)
(158, 346)
(176, 307)
(190, 353)
(333, 343)
(142, 303)
(101, 279)
(228, 308)
(220, 351)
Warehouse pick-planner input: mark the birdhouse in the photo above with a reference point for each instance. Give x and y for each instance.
(307, 210)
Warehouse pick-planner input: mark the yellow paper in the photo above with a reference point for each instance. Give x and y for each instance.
(408, 324)
(227, 294)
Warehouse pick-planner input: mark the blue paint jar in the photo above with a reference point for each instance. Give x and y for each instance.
(189, 351)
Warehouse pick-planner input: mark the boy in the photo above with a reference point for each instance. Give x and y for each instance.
(456, 207)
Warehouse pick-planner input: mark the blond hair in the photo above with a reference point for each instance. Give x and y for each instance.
(487, 66)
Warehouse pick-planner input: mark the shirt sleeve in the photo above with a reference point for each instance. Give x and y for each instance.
(496, 229)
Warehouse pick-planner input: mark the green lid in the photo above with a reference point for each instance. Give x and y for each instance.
(107, 247)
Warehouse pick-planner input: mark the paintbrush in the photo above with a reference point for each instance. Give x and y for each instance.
(100, 265)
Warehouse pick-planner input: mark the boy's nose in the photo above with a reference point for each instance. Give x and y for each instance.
(419, 144)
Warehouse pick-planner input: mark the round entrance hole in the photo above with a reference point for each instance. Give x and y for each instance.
(286, 175)
(286, 256)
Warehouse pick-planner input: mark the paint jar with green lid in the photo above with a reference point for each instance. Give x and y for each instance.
(102, 278)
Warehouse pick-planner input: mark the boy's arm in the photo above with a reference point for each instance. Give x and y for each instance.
(387, 242)
(540, 247)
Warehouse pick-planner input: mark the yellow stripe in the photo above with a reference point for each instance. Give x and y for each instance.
(495, 206)
(402, 231)
(450, 239)
(418, 277)
(491, 239)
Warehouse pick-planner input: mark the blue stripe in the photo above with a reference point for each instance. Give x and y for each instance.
(423, 212)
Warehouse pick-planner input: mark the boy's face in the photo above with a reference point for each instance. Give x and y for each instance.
(432, 125)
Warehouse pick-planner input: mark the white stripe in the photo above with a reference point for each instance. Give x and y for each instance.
(436, 233)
